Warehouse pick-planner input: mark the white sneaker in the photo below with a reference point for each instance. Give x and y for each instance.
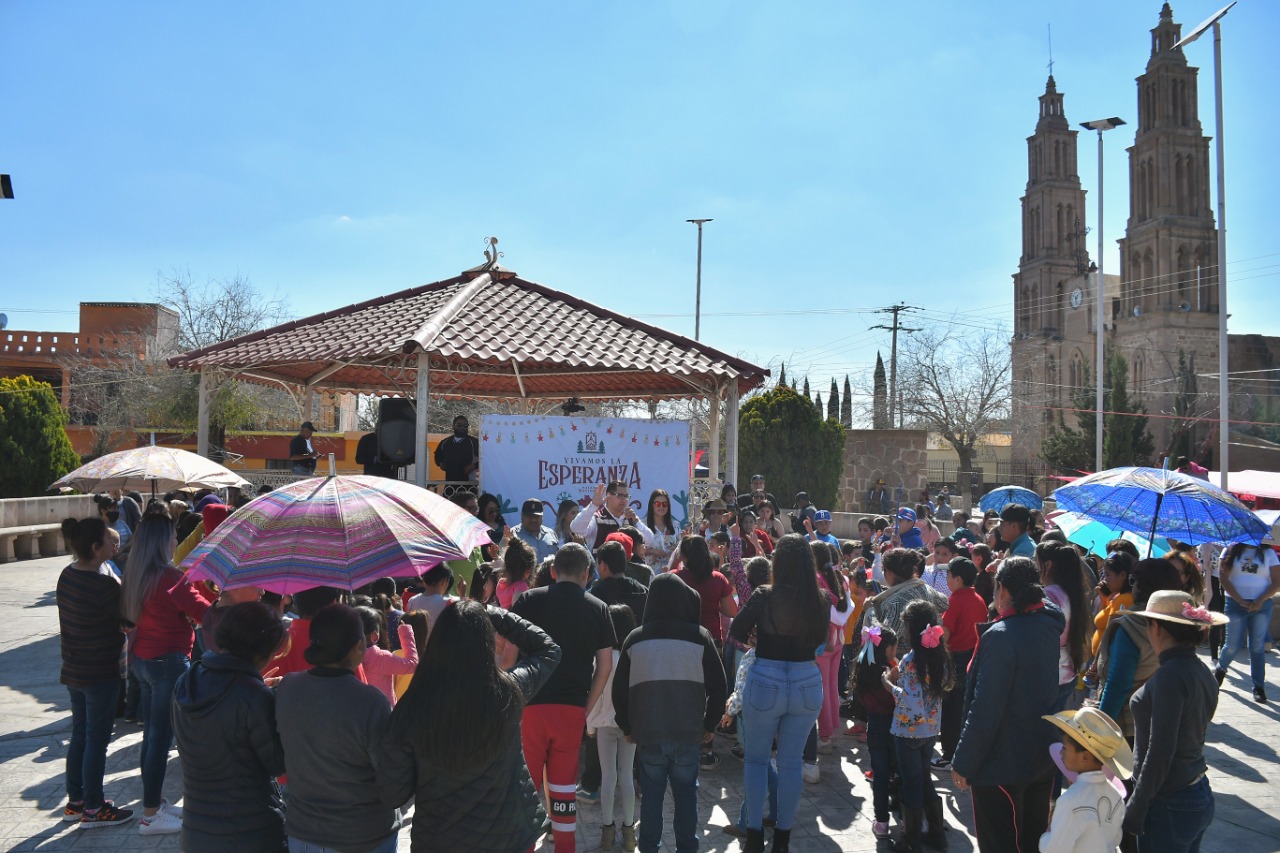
(811, 774)
(170, 809)
(160, 823)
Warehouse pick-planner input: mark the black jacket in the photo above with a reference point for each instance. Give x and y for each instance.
(224, 721)
(486, 809)
(622, 590)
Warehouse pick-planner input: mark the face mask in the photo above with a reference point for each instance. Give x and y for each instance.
(113, 516)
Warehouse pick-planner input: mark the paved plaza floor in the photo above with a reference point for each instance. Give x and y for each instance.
(834, 815)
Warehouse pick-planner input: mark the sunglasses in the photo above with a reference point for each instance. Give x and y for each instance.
(662, 503)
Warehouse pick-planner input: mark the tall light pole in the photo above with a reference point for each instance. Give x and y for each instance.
(1099, 291)
(1224, 443)
(697, 305)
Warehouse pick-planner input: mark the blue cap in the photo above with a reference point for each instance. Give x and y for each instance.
(822, 515)
(907, 514)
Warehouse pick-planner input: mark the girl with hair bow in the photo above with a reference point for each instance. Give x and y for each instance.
(918, 684)
(878, 656)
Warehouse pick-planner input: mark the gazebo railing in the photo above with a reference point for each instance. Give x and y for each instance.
(275, 478)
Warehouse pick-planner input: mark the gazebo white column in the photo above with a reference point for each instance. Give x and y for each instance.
(731, 435)
(421, 461)
(202, 418)
(713, 434)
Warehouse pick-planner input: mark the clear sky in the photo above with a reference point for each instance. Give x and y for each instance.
(852, 154)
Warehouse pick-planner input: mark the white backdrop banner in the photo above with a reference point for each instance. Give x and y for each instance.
(558, 459)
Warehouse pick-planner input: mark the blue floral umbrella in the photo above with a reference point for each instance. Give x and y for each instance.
(1000, 498)
(1161, 503)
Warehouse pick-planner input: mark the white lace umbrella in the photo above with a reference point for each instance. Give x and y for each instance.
(158, 469)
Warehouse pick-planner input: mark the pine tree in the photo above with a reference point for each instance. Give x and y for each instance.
(808, 395)
(1126, 440)
(880, 397)
(833, 402)
(817, 403)
(846, 405)
(784, 438)
(782, 374)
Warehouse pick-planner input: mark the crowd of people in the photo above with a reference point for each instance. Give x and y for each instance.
(599, 656)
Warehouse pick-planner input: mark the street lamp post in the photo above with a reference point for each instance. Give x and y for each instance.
(1224, 444)
(697, 305)
(1099, 288)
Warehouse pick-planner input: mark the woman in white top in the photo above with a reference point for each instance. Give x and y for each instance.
(666, 534)
(769, 521)
(1250, 576)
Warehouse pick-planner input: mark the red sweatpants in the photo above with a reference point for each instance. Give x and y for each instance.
(551, 735)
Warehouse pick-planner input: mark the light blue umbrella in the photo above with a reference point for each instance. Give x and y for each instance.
(1000, 498)
(1090, 534)
(1162, 503)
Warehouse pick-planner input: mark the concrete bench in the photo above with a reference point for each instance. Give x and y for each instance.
(39, 540)
(32, 527)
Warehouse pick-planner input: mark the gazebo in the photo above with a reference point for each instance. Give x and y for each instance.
(487, 334)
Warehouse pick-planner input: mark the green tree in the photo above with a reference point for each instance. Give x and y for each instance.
(33, 438)
(846, 405)
(1126, 440)
(782, 435)
(782, 374)
(833, 402)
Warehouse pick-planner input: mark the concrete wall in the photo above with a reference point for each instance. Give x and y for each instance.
(23, 512)
(898, 456)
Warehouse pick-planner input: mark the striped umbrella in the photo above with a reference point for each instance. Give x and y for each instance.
(335, 531)
(159, 469)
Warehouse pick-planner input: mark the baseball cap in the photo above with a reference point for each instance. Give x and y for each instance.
(906, 514)
(757, 478)
(533, 506)
(308, 425)
(622, 539)
(822, 515)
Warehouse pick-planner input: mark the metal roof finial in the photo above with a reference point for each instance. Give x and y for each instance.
(491, 253)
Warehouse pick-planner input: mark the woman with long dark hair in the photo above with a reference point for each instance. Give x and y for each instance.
(1003, 753)
(162, 606)
(88, 597)
(565, 514)
(453, 743)
(666, 535)
(784, 687)
(1062, 576)
(699, 572)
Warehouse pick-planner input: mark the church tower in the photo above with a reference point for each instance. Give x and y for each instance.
(1050, 284)
(1168, 258)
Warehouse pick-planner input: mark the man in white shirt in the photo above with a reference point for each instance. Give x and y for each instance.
(610, 511)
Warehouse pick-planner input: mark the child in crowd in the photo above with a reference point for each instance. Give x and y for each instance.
(879, 655)
(965, 611)
(1089, 815)
(617, 755)
(918, 684)
(984, 560)
(381, 665)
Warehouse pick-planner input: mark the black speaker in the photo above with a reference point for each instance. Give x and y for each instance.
(397, 428)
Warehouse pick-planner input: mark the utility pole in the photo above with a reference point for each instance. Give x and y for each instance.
(895, 419)
(697, 304)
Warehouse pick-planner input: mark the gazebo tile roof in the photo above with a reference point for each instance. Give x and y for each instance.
(562, 345)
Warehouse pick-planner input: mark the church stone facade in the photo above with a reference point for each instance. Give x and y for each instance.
(1163, 304)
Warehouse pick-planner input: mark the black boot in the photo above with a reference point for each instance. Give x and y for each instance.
(754, 842)
(936, 837)
(912, 820)
(781, 841)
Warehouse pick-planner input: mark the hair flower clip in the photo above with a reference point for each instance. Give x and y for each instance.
(871, 635)
(1196, 614)
(931, 636)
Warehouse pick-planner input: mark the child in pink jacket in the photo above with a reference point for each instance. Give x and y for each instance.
(381, 665)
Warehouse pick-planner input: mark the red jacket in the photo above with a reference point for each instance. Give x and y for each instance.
(164, 626)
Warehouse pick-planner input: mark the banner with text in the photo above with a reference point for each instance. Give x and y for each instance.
(558, 459)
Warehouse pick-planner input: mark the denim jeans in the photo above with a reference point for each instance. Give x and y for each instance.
(953, 703)
(773, 782)
(297, 845)
(659, 764)
(880, 747)
(93, 711)
(913, 766)
(1176, 821)
(1247, 627)
(157, 677)
(782, 701)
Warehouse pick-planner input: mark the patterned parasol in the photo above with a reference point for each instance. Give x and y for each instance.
(335, 531)
(1161, 503)
(1000, 498)
(1088, 533)
(158, 469)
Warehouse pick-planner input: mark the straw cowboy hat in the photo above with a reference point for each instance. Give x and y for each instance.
(1100, 735)
(1174, 606)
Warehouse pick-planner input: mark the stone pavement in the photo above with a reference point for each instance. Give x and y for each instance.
(834, 814)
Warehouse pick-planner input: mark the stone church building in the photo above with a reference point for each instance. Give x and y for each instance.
(1163, 304)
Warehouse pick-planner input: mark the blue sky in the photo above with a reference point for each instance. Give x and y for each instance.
(851, 154)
